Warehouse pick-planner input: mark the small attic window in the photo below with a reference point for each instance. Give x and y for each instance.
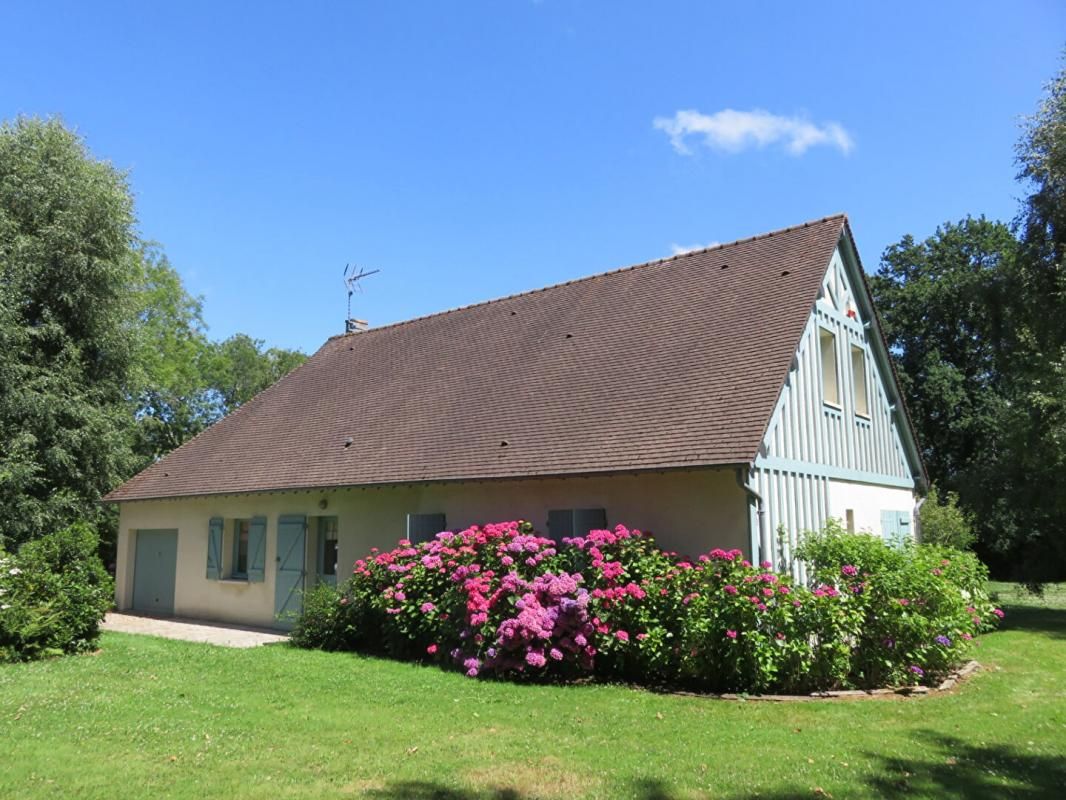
(858, 377)
(827, 343)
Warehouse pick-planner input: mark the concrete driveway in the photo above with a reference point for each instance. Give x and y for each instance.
(191, 630)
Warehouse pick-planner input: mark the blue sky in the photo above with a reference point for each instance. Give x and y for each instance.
(473, 150)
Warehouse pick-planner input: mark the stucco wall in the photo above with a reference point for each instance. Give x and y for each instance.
(867, 501)
(688, 511)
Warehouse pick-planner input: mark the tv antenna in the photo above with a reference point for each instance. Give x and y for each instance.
(352, 275)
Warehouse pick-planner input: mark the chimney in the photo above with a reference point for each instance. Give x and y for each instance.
(355, 325)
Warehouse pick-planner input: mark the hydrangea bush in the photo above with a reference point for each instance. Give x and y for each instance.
(501, 600)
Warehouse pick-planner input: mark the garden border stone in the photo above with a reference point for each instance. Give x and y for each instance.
(946, 685)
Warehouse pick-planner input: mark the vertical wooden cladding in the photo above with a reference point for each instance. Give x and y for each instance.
(809, 439)
(805, 428)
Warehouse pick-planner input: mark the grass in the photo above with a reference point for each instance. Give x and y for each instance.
(155, 718)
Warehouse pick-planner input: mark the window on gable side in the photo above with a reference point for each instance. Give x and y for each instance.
(827, 342)
(858, 371)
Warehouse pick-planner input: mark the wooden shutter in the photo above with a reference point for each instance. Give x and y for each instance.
(423, 527)
(589, 519)
(560, 524)
(214, 549)
(257, 549)
(888, 526)
(903, 525)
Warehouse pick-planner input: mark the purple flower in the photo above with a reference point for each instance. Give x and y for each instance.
(917, 670)
(943, 640)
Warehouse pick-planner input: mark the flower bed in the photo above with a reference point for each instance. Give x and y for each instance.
(501, 600)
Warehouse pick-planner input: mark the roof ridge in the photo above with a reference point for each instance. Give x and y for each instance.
(788, 229)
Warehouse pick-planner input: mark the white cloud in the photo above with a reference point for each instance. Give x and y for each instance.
(678, 249)
(732, 131)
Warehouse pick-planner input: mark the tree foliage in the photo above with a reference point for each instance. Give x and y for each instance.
(66, 262)
(944, 523)
(974, 316)
(105, 363)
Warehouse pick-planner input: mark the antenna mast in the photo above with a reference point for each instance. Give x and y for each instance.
(352, 275)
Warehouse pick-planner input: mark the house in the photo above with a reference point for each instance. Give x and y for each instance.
(729, 397)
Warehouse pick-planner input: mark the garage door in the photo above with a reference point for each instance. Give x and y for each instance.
(154, 570)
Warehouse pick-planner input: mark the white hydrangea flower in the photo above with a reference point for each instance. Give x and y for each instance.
(14, 571)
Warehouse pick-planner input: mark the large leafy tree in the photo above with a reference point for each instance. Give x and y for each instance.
(240, 368)
(946, 307)
(1037, 422)
(169, 387)
(66, 263)
(105, 363)
(975, 319)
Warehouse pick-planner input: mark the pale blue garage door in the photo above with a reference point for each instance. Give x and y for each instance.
(154, 570)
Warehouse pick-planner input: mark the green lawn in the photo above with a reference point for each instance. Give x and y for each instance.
(153, 718)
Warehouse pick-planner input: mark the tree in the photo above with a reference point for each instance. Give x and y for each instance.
(66, 262)
(974, 316)
(240, 368)
(945, 304)
(173, 399)
(1037, 423)
(944, 523)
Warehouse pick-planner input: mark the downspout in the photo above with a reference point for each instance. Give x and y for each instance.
(757, 536)
(918, 519)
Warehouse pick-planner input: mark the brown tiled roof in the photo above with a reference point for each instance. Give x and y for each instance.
(673, 363)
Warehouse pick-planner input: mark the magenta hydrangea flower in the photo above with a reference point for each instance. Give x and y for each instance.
(731, 634)
(850, 570)
(425, 608)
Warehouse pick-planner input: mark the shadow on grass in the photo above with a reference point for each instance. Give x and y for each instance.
(1048, 621)
(942, 767)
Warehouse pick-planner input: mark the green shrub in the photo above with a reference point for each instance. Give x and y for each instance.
(916, 607)
(330, 621)
(499, 600)
(944, 523)
(53, 594)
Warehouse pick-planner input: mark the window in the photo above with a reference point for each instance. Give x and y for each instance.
(827, 341)
(241, 530)
(423, 527)
(327, 532)
(571, 522)
(849, 515)
(858, 371)
(243, 541)
(327, 549)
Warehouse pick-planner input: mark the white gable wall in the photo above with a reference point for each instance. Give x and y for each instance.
(820, 459)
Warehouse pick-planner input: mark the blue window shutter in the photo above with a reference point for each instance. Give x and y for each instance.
(903, 525)
(560, 524)
(589, 519)
(888, 526)
(214, 549)
(423, 527)
(257, 549)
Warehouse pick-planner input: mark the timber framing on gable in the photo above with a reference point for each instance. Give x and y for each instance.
(820, 433)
